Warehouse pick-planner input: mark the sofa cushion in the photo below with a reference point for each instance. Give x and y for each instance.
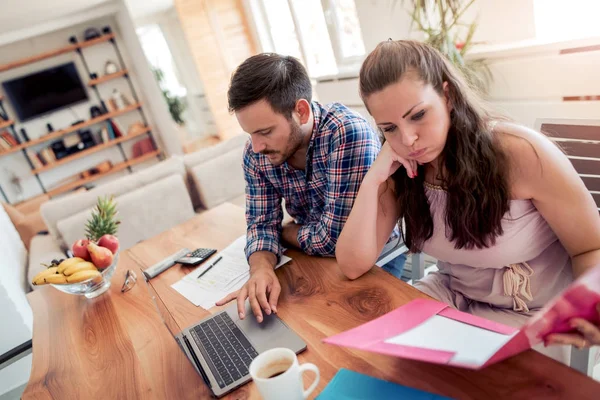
(219, 179)
(43, 250)
(144, 212)
(13, 255)
(27, 225)
(58, 209)
(207, 154)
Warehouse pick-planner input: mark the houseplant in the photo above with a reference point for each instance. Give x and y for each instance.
(175, 103)
(441, 22)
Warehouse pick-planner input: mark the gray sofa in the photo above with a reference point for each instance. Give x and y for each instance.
(149, 201)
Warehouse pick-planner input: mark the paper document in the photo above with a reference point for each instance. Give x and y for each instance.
(228, 275)
(476, 350)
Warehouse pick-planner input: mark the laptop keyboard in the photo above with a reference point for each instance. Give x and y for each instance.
(224, 347)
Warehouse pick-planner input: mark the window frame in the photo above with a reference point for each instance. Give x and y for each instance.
(260, 20)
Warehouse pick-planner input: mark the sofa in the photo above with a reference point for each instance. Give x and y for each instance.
(216, 174)
(149, 202)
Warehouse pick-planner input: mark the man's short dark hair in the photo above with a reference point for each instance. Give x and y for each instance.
(281, 80)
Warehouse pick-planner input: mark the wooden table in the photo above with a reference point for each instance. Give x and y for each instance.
(116, 346)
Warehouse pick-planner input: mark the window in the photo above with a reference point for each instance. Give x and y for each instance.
(347, 28)
(159, 56)
(566, 20)
(324, 34)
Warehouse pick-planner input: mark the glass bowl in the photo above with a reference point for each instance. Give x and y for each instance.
(92, 287)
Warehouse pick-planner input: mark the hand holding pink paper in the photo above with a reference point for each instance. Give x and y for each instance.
(413, 330)
(580, 301)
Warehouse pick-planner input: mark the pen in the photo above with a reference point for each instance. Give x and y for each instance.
(209, 267)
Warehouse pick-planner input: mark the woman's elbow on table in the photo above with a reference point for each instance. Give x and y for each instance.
(352, 267)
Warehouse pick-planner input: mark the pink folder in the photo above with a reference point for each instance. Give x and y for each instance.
(432, 331)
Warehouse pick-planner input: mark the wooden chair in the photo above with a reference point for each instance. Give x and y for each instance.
(580, 139)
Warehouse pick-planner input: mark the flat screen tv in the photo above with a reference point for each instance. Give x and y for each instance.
(45, 91)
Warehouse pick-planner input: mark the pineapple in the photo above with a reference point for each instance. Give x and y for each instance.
(103, 220)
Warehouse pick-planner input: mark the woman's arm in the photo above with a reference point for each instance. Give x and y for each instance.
(542, 172)
(373, 216)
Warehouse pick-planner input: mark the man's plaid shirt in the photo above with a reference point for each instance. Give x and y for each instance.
(342, 148)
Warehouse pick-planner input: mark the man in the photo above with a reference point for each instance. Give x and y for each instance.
(311, 155)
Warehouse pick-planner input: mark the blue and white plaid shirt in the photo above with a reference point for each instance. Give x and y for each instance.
(342, 148)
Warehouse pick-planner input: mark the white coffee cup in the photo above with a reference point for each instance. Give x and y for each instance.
(278, 375)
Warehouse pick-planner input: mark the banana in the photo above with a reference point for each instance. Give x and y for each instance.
(83, 276)
(39, 278)
(68, 262)
(81, 266)
(56, 279)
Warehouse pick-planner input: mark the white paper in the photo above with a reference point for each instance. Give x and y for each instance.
(226, 276)
(471, 344)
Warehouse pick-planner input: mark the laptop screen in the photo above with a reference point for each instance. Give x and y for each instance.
(162, 310)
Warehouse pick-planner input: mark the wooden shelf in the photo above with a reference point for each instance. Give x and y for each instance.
(56, 52)
(6, 124)
(106, 78)
(13, 149)
(73, 128)
(116, 168)
(62, 132)
(89, 151)
(98, 40)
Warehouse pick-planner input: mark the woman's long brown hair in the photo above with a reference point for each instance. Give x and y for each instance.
(473, 168)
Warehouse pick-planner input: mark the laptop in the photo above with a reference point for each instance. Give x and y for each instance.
(222, 346)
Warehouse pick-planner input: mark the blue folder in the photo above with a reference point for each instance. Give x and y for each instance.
(350, 385)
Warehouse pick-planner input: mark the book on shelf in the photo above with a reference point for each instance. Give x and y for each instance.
(111, 132)
(9, 138)
(34, 159)
(47, 156)
(104, 135)
(116, 128)
(4, 145)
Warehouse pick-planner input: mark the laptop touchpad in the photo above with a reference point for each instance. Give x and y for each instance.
(266, 335)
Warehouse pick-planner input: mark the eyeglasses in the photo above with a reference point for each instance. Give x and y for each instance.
(130, 280)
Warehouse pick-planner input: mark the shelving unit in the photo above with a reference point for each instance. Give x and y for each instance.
(106, 78)
(116, 168)
(108, 36)
(6, 124)
(91, 150)
(56, 52)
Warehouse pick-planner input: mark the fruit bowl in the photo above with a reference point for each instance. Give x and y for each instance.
(92, 287)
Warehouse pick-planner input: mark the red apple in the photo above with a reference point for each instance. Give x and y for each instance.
(80, 250)
(110, 242)
(101, 256)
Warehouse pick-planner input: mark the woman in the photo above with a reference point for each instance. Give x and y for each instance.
(498, 204)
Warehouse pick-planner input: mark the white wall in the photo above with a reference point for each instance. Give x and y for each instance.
(530, 82)
(199, 121)
(15, 312)
(382, 19)
(502, 21)
(154, 107)
(498, 21)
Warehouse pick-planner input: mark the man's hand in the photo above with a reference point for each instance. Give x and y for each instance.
(289, 234)
(262, 282)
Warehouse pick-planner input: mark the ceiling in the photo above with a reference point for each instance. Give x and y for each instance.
(18, 15)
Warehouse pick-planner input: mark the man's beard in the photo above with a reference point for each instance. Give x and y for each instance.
(293, 145)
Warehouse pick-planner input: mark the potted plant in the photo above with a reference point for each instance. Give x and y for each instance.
(441, 22)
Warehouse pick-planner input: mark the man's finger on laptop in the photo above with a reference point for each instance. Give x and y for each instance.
(274, 296)
(228, 298)
(254, 302)
(241, 301)
(261, 294)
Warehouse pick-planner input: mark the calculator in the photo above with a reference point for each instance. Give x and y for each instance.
(196, 257)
